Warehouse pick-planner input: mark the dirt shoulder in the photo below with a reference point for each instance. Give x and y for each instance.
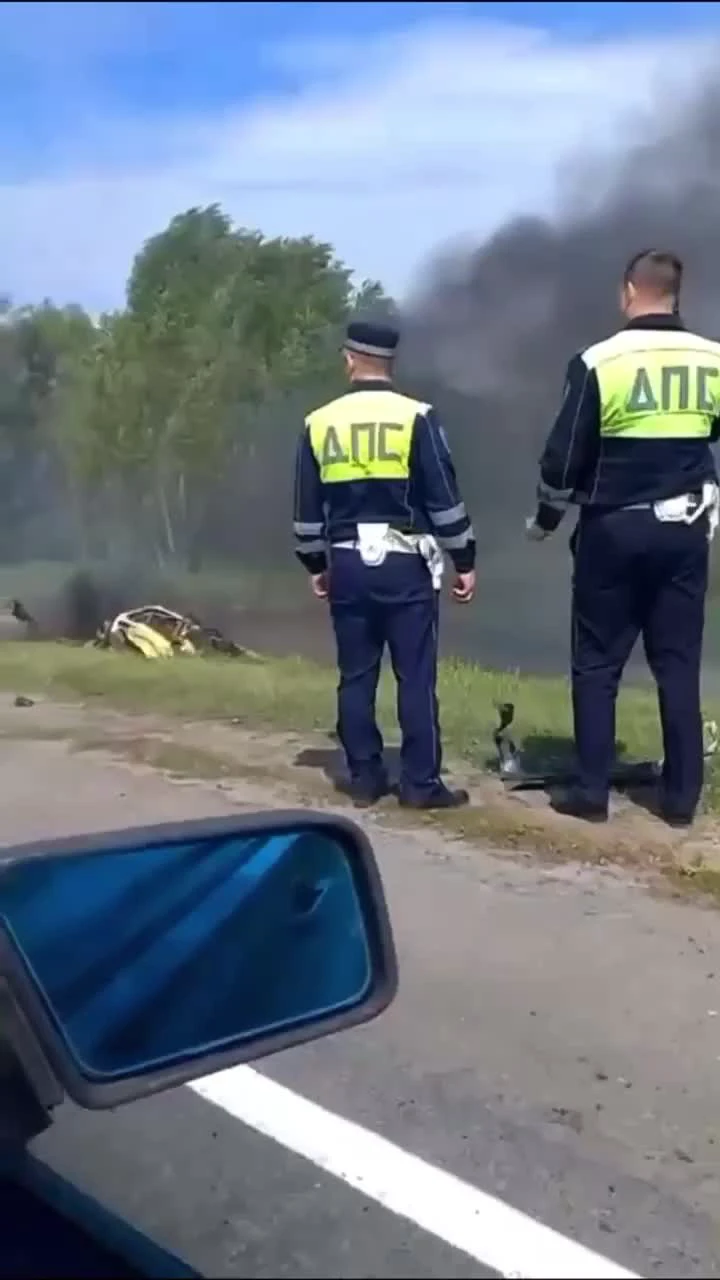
(262, 768)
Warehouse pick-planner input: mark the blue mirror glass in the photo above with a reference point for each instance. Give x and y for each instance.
(148, 957)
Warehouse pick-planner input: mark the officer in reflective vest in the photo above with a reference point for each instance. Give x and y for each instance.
(376, 504)
(631, 446)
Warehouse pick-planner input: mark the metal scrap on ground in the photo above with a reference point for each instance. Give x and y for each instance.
(519, 775)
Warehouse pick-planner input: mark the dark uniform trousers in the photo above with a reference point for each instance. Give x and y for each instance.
(391, 604)
(634, 575)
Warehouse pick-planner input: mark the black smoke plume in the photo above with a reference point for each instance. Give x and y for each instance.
(486, 337)
(489, 333)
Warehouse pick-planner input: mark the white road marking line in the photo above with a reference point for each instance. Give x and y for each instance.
(496, 1235)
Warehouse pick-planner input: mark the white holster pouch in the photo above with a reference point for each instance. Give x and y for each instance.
(374, 541)
(682, 510)
(431, 552)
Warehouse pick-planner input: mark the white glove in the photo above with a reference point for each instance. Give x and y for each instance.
(533, 532)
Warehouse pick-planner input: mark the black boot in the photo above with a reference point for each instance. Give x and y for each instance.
(575, 804)
(365, 794)
(673, 818)
(672, 813)
(440, 797)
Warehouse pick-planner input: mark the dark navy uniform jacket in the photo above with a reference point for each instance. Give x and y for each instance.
(412, 485)
(639, 413)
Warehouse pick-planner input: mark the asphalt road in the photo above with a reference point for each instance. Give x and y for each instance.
(556, 1044)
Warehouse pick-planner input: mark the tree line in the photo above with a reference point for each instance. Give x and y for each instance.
(163, 433)
(165, 430)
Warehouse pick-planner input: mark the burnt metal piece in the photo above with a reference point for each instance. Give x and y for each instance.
(509, 759)
(638, 773)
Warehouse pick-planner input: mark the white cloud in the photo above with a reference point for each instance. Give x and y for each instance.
(395, 146)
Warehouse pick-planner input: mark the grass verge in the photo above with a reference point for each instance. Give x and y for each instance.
(280, 702)
(298, 696)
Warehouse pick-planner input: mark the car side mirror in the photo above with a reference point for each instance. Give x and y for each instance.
(141, 960)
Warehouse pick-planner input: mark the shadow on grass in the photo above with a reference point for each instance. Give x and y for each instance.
(330, 761)
(550, 753)
(548, 764)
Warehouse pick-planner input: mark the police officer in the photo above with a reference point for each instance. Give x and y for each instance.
(631, 446)
(375, 498)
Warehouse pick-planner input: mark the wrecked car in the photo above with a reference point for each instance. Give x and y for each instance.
(155, 631)
(152, 631)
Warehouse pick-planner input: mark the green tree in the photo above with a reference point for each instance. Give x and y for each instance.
(170, 424)
(193, 381)
(37, 346)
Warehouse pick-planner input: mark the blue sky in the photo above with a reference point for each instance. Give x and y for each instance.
(390, 129)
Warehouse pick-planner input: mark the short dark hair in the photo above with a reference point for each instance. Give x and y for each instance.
(655, 272)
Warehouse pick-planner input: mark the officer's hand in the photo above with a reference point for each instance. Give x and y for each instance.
(319, 583)
(464, 587)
